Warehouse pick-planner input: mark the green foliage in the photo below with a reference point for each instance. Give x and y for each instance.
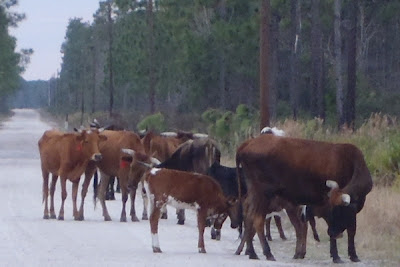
(155, 122)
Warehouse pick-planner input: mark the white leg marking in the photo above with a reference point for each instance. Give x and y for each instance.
(154, 241)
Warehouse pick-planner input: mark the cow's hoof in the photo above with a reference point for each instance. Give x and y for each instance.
(299, 256)
(253, 257)
(271, 258)
(61, 218)
(283, 238)
(145, 217)
(269, 238)
(134, 219)
(46, 217)
(355, 259)
(316, 237)
(53, 216)
(107, 218)
(202, 250)
(123, 219)
(181, 222)
(157, 250)
(337, 260)
(164, 216)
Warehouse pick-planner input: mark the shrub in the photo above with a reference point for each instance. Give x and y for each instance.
(155, 122)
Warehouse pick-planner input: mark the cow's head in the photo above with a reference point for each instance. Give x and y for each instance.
(233, 211)
(137, 163)
(88, 143)
(342, 213)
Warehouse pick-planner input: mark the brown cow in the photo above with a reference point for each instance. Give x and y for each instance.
(195, 156)
(68, 155)
(304, 172)
(113, 165)
(185, 190)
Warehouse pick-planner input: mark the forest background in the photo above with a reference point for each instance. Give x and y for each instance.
(332, 73)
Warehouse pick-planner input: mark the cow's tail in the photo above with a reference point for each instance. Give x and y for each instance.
(95, 187)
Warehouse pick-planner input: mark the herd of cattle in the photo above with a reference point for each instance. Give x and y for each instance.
(273, 172)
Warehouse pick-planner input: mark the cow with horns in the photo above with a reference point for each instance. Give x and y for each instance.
(68, 156)
(304, 172)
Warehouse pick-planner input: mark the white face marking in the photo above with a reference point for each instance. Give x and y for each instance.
(346, 199)
(182, 205)
(332, 184)
(154, 171)
(154, 241)
(303, 211)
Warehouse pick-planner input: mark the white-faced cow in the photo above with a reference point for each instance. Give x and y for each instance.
(304, 172)
(185, 190)
(68, 156)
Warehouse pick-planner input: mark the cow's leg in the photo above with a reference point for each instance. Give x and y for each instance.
(278, 223)
(45, 194)
(334, 251)
(351, 232)
(118, 190)
(314, 228)
(164, 213)
(132, 193)
(259, 222)
(145, 202)
(110, 189)
(85, 186)
(63, 197)
(180, 214)
(201, 225)
(104, 180)
(75, 185)
(124, 198)
(54, 179)
(268, 228)
(300, 228)
(154, 217)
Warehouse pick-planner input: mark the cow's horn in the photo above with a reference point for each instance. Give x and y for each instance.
(346, 199)
(128, 151)
(332, 184)
(169, 134)
(200, 135)
(154, 161)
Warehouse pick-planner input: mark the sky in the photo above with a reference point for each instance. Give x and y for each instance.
(44, 29)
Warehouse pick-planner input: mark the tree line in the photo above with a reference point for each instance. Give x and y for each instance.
(335, 59)
(12, 63)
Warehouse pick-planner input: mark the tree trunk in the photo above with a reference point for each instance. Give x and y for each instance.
(317, 96)
(110, 45)
(152, 82)
(338, 64)
(296, 28)
(264, 60)
(274, 63)
(351, 65)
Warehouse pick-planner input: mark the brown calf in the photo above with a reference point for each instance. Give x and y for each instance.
(68, 155)
(185, 190)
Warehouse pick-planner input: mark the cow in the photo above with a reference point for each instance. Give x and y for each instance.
(162, 146)
(68, 156)
(110, 193)
(113, 164)
(304, 172)
(183, 189)
(194, 156)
